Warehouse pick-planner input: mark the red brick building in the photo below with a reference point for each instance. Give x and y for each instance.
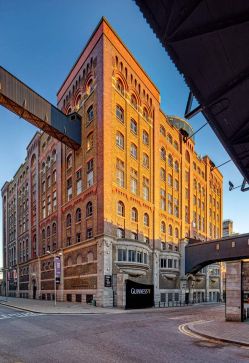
(118, 207)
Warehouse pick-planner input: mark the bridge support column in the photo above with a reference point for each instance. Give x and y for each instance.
(234, 303)
(185, 296)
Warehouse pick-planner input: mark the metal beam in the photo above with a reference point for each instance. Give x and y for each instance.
(26, 103)
(211, 28)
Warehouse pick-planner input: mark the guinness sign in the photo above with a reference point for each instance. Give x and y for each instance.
(139, 296)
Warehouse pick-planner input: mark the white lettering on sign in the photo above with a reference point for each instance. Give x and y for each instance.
(140, 291)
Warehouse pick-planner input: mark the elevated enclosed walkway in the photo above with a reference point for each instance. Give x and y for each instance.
(22, 100)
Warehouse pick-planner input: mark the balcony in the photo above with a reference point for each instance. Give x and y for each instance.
(132, 257)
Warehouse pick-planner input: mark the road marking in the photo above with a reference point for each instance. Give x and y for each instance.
(18, 315)
(183, 330)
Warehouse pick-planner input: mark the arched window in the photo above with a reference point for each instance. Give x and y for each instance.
(78, 215)
(89, 86)
(176, 165)
(120, 86)
(133, 126)
(146, 219)
(134, 101)
(120, 113)
(170, 160)
(48, 231)
(162, 130)
(169, 138)
(78, 100)
(89, 141)
(176, 146)
(89, 209)
(163, 153)
(163, 227)
(146, 161)
(79, 259)
(54, 228)
(134, 214)
(69, 262)
(170, 230)
(121, 208)
(90, 256)
(176, 233)
(187, 157)
(90, 114)
(134, 150)
(69, 161)
(68, 220)
(120, 139)
(145, 114)
(145, 137)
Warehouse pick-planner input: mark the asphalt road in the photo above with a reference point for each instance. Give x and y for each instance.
(129, 337)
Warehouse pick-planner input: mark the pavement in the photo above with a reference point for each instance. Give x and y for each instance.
(221, 330)
(48, 307)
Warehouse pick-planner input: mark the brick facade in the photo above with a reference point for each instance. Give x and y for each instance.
(120, 204)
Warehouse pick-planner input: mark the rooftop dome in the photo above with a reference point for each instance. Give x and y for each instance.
(181, 124)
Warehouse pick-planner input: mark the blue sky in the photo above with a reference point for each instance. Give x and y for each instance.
(40, 40)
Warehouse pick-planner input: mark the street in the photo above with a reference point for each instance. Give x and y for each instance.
(125, 337)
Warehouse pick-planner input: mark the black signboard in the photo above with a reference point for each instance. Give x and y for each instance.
(108, 280)
(139, 296)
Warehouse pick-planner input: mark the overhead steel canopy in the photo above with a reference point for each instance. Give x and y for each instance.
(208, 41)
(22, 100)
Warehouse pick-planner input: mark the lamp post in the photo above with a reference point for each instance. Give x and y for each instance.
(55, 255)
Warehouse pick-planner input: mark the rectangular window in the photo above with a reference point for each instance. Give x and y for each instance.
(54, 176)
(145, 188)
(170, 264)
(131, 256)
(43, 209)
(133, 185)
(176, 185)
(145, 138)
(120, 173)
(163, 174)
(120, 113)
(139, 257)
(78, 182)
(90, 173)
(89, 233)
(54, 200)
(170, 204)
(121, 254)
(163, 263)
(69, 189)
(49, 205)
(163, 199)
